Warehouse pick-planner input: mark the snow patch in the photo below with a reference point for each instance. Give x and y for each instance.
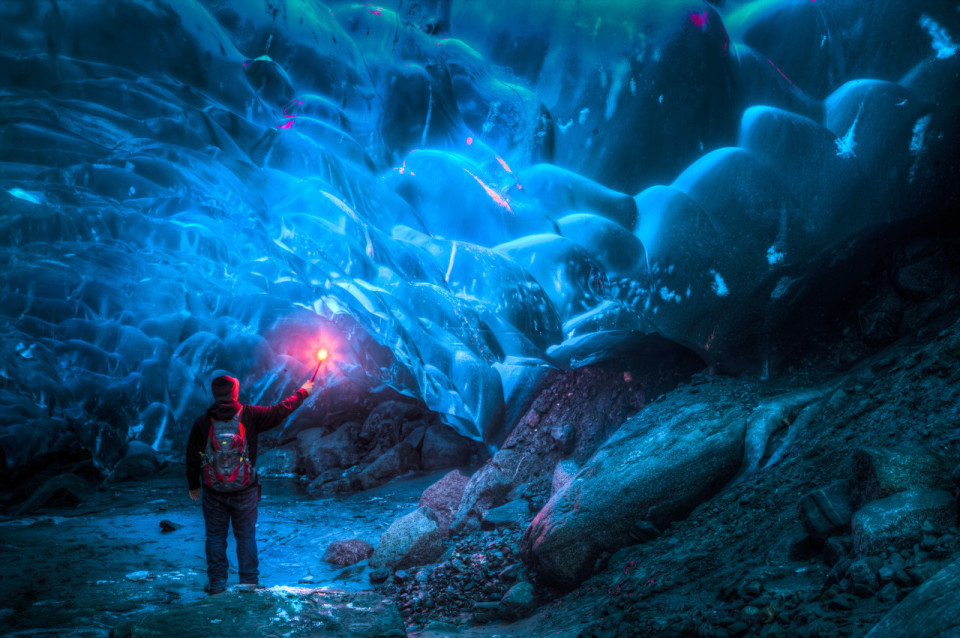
(719, 286)
(668, 295)
(916, 143)
(846, 145)
(919, 130)
(774, 256)
(942, 43)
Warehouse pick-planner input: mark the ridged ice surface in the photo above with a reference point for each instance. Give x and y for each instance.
(452, 196)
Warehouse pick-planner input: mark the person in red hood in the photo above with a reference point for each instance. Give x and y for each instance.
(217, 441)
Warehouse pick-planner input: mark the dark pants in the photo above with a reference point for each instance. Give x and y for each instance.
(219, 508)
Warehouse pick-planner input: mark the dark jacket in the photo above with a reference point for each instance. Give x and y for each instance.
(255, 419)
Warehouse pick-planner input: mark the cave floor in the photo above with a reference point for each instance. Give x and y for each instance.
(80, 571)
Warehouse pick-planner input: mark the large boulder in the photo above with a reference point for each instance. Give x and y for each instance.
(563, 475)
(513, 514)
(384, 426)
(897, 521)
(882, 472)
(655, 469)
(320, 451)
(443, 448)
(931, 610)
(63, 490)
(347, 552)
(297, 612)
(410, 540)
(279, 461)
(573, 415)
(399, 459)
(444, 496)
(140, 462)
(827, 510)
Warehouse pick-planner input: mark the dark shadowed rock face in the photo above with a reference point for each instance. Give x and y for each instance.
(395, 438)
(570, 419)
(290, 611)
(656, 469)
(933, 609)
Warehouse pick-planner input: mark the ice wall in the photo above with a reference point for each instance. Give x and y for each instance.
(452, 196)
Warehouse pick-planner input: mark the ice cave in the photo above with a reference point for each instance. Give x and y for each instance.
(623, 318)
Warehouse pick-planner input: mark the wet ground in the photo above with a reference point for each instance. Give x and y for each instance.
(80, 571)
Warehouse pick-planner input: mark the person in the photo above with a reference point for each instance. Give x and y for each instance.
(234, 497)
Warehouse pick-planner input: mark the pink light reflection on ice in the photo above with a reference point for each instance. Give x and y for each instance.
(783, 74)
(493, 194)
(700, 20)
(289, 115)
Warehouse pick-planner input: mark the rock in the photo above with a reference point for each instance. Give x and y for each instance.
(64, 490)
(443, 448)
(860, 574)
(488, 487)
(932, 609)
(140, 461)
(280, 461)
(836, 548)
(484, 612)
(885, 471)
(657, 467)
(583, 407)
(896, 521)
(888, 593)
(297, 612)
(320, 452)
(825, 511)
(384, 425)
(444, 496)
(169, 526)
(347, 552)
(410, 540)
(879, 319)
(379, 575)
(513, 514)
(518, 602)
(415, 436)
(563, 474)
(399, 459)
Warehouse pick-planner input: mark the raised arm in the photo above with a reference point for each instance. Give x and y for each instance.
(268, 417)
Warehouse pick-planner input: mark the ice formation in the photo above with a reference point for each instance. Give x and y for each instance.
(452, 198)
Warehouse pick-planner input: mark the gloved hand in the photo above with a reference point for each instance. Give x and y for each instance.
(308, 386)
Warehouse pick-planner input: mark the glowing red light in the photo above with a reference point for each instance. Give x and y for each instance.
(469, 141)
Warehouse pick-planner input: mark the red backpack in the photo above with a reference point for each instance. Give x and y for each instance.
(226, 462)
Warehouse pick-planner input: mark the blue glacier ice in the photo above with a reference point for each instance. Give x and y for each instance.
(454, 197)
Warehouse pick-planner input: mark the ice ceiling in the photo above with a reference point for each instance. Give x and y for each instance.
(454, 196)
